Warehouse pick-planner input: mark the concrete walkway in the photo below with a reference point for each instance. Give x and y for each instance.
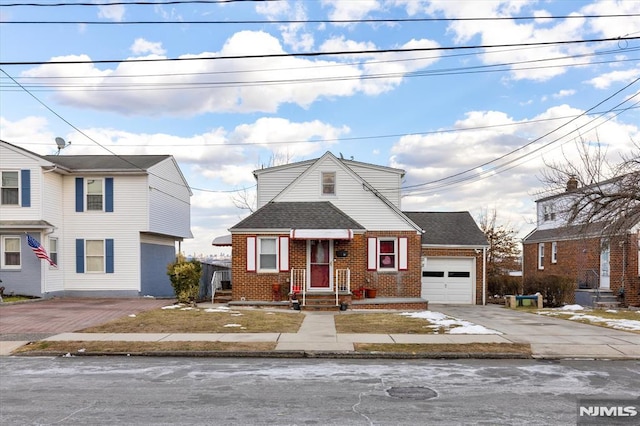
(549, 337)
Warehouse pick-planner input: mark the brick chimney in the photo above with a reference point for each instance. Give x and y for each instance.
(572, 183)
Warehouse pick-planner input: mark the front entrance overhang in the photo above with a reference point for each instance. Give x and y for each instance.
(321, 234)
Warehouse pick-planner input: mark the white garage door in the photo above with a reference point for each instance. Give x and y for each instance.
(447, 280)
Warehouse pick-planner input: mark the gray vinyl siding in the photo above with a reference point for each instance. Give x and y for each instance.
(27, 280)
(169, 201)
(154, 259)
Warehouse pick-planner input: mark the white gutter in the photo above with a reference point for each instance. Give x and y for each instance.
(484, 276)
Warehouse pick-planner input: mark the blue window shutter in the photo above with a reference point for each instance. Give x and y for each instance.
(80, 256)
(108, 195)
(108, 246)
(26, 187)
(79, 194)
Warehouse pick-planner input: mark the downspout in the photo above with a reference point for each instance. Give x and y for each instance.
(484, 276)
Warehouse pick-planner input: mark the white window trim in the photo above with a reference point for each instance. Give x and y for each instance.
(55, 258)
(540, 256)
(335, 185)
(554, 252)
(86, 194)
(395, 255)
(104, 257)
(2, 252)
(276, 267)
(19, 188)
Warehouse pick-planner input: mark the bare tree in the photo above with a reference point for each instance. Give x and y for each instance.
(504, 251)
(597, 191)
(245, 199)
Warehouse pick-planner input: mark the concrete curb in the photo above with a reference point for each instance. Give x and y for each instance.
(287, 354)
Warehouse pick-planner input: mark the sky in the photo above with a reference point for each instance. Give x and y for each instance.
(473, 99)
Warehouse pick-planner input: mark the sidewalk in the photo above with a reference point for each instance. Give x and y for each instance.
(551, 338)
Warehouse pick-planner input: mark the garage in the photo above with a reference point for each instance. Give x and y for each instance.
(448, 280)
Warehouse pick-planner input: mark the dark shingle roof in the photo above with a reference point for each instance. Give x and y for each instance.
(573, 232)
(106, 162)
(448, 228)
(298, 215)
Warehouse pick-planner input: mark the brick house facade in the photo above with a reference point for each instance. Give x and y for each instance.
(598, 264)
(321, 218)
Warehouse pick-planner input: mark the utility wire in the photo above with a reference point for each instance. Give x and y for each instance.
(345, 64)
(110, 151)
(488, 173)
(374, 137)
(538, 139)
(318, 21)
(319, 54)
(141, 86)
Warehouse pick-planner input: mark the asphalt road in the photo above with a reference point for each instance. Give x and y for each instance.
(141, 391)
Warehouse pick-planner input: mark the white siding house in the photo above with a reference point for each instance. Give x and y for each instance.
(110, 223)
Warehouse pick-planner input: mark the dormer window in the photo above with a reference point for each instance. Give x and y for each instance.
(328, 183)
(549, 214)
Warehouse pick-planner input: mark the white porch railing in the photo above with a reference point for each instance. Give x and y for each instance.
(298, 283)
(342, 282)
(217, 279)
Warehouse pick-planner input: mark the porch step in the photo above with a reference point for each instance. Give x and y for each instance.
(320, 304)
(606, 300)
(222, 296)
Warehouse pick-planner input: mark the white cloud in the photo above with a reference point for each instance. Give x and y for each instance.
(512, 188)
(604, 81)
(112, 12)
(228, 85)
(27, 130)
(294, 34)
(141, 46)
(564, 93)
(350, 10)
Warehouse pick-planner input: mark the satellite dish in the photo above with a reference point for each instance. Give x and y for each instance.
(61, 144)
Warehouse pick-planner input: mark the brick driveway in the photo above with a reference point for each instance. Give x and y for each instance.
(69, 314)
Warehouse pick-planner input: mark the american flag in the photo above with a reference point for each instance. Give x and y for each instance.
(39, 250)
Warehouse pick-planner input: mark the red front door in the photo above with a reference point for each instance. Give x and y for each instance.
(320, 264)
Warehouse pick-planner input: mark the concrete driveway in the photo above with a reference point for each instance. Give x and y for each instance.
(549, 337)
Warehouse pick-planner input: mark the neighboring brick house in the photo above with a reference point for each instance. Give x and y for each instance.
(110, 223)
(599, 266)
(330, 227)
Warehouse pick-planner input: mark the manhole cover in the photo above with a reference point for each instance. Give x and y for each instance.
(412, 392)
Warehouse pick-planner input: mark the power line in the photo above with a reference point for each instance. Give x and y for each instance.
(141, 86)
(326, 53)
(374, 137)
(319, 21)
(134, 3)
(538, 139)
(111, 152)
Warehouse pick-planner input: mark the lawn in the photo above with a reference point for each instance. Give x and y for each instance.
(196, 320)
(387, 323)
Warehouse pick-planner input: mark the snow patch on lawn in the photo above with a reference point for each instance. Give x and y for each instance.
(592, 316)
(450, 324)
